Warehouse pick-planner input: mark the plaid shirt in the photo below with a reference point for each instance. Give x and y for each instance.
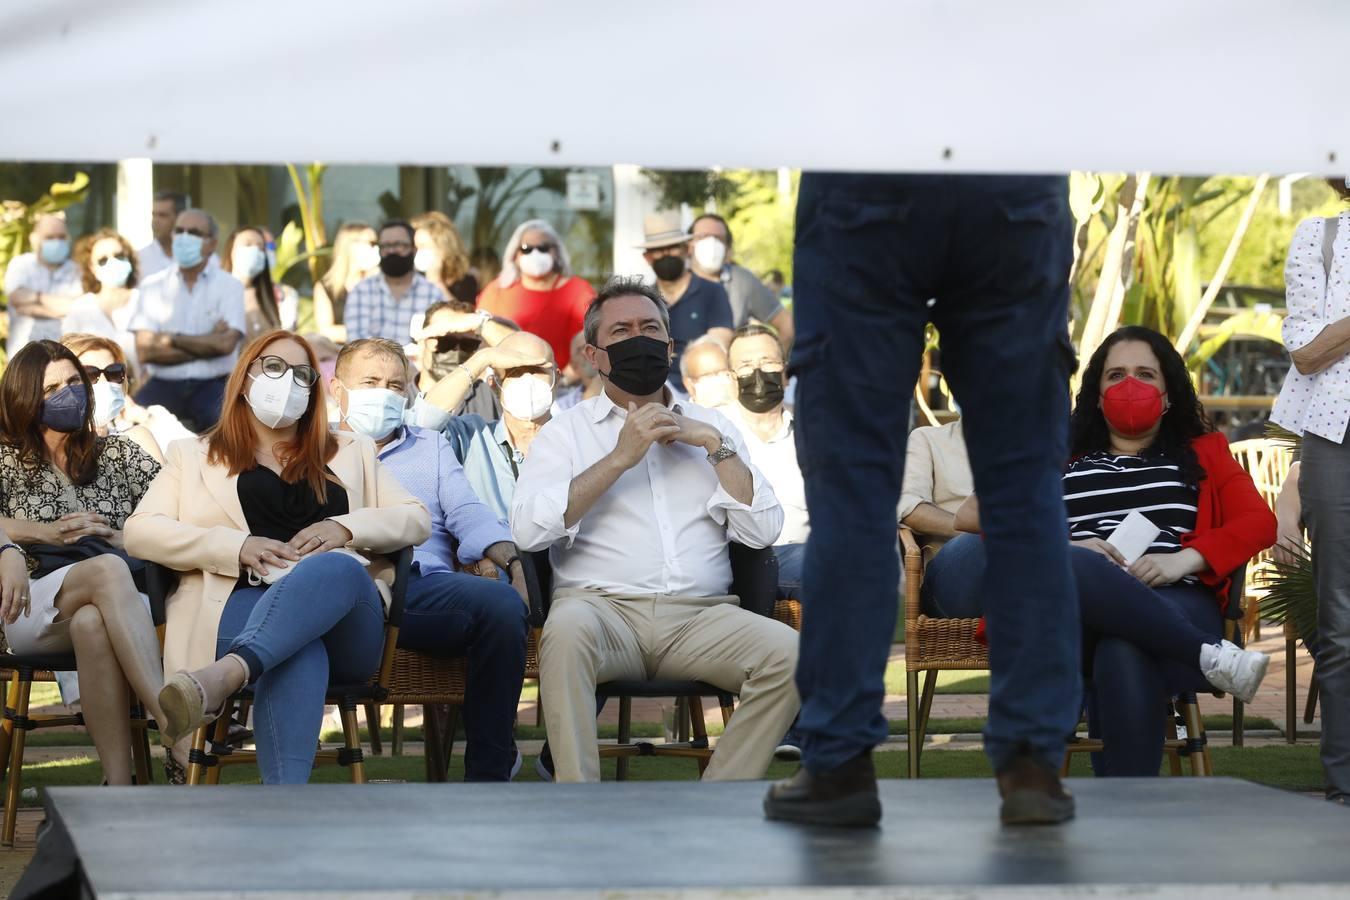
(372, 310)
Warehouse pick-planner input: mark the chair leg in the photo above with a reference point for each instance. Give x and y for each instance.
(926, 707)
(912, 721)
(625, 733)
(396, 741)
(140, 745)
(7, 727)
(14, 789)
(1314, 690)
(1239, 723)
(728, 704)
(373, 726)
(194, 772)
(351, 735)
(538, 706)
(1290, 689)
(682, 719)
(698, 727)
(451, 733)
(221, 733)
(432, 745)
(1195, 734)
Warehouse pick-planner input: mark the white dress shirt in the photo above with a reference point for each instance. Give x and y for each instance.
(777, 459)
(26, 271)
(165, 303)
(1318, 403)
(151, 260)
(661, 528)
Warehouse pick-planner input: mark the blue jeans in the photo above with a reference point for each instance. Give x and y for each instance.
(871, 251)
(453, 614)
(954, 578)
(322, 624)
(196, 401)
(790, 569)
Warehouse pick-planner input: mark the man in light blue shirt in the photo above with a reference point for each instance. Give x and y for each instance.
(447, 612)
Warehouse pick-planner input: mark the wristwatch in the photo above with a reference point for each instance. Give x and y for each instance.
(725, 451)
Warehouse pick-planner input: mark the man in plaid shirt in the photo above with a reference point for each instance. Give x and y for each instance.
(385, 304)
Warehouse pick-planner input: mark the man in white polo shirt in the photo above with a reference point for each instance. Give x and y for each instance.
(636, 498)
(41, 285)
(189, 321)
(157, 255)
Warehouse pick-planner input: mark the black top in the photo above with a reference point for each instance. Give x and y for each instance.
(703, 305)
(277, 510)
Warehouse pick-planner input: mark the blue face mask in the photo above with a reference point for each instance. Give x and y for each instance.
(374, 411)
(187, 250)
(55, 251)
(65, 411)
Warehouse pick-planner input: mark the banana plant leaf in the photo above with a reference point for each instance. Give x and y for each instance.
(1291, 595)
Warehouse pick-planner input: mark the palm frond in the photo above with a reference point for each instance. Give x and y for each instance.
(1283, 436)
(1291, 594)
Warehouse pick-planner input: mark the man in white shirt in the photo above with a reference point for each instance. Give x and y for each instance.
(189, 321)
(636, 499)
(41, 285)
(705, 373)
(157, 255)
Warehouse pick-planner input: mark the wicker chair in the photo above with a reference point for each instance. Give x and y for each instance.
(1194, 744)
(210, 754)
(932, 645)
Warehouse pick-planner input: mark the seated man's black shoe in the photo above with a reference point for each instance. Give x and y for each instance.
(844, 797)
(1032, 793)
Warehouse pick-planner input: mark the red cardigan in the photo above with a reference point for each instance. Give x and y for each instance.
(1232, 521)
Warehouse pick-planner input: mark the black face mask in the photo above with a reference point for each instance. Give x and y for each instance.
(760, 391)
(452, 350)
(669, 268)
(396, 265)
(638, 365)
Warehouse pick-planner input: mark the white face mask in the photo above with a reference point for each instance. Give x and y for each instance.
(247, 261)
(713, 390)
(277, 402)
(374, 411)
(536, 264)
(366, 257)
(710, 254)
(425, 260)
(109, 399)
(113, 273)
(526, 397)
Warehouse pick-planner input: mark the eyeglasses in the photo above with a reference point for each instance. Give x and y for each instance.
(526, 249)
(448, 342)
(748, 369)
(116, 373)
(276, 367)
(103, 260)
(195, 232)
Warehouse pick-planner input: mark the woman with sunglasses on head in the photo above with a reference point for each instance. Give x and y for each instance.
(537, 289)
(356, 256)
(267, 305)
(107, 265)
(113, 384)
(277, 524)
(442, 259)
(65, 493)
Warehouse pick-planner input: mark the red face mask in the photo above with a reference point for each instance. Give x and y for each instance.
(1132, 407)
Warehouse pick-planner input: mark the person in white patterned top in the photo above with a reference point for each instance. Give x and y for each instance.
(1315, 403)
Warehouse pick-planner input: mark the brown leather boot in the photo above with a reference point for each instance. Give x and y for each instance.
(843, 797)
(1032, 793)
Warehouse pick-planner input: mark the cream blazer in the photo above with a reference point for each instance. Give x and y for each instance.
(190, 520)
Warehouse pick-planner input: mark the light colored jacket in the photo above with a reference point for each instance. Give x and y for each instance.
(191, 521)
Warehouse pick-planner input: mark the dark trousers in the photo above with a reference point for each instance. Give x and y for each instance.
(453, 614)
(994, 252)
(195, 401)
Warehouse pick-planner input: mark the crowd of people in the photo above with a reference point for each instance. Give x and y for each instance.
(159, 406)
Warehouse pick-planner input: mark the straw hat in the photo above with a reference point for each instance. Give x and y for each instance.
(662, 230)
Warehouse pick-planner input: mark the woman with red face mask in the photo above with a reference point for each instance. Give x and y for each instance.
(1140, 442)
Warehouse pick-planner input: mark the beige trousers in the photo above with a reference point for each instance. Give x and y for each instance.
(592, 637)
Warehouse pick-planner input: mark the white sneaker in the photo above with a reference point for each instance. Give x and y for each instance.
(1231, 669)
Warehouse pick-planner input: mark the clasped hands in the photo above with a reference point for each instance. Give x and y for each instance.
(653, 423)
(258, 553)
(1153, 569)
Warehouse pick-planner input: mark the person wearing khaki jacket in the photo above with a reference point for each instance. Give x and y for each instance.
(272, 497)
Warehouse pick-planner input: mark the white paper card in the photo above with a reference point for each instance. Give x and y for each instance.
(1133, 536)
(274, 575)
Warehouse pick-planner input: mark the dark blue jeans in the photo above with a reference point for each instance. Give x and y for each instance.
(790, 558)
(453, 614)
(994, 252)
(1141, 645)
(195, 401)
(322, 624)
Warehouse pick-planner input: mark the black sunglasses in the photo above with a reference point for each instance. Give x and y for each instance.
(116, 373)
(103, 260)
(276, 367)
(535, 248)
(448, 342)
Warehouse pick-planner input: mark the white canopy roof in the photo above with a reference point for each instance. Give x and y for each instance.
(935, 85)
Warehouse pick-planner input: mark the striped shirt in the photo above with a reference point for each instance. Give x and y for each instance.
(373, 311)
(1100, 490)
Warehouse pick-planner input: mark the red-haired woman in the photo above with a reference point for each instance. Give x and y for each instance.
(267, 493)
(64, 494)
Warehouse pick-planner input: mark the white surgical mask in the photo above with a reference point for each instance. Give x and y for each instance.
(187, 250)
(535, 265)
(425, 260)
(526, 397)
(248, 261)
(366, 257)
(109, 399)
(277, 402)
(710, 253)
(713, 390)
(113, 273)
(374, 411)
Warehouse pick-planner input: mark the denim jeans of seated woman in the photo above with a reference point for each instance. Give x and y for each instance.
(454, 614)
(1141, 645)
(322, 624)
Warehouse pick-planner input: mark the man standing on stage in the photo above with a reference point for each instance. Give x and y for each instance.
(992, 254)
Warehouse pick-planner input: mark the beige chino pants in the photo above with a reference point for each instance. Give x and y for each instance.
(592, 637)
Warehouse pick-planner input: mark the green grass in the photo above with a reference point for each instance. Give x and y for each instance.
(957, 681)
(1291, 768)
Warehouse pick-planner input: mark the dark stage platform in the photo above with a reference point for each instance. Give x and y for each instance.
(1176, 836)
